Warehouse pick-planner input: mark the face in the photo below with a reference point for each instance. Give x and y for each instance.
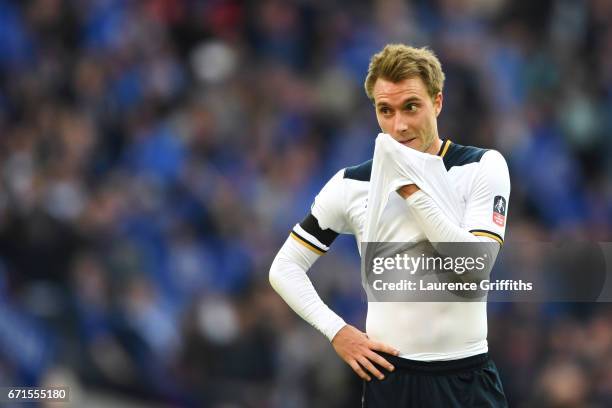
(406, 112)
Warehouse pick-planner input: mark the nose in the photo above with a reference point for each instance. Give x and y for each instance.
(401, 123)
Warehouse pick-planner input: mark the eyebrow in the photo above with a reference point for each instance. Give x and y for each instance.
(404, 102)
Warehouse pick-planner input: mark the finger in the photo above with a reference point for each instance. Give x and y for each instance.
(378, 359)
(357, 368)
(367, 364)
(375, 345)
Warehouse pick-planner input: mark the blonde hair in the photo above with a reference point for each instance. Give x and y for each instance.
(397, 62)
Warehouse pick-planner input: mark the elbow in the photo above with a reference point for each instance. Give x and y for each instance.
(275, 273)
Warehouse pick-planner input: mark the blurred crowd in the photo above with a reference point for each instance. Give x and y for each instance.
(155, 154)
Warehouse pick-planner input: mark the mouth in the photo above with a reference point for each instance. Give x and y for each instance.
(407, 142)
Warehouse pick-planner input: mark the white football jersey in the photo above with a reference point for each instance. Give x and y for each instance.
(427, 330)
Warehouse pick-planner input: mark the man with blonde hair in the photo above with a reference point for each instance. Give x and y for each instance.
(413, 354)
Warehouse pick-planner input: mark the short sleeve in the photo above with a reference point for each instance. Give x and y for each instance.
(487, 205)
(328, 207)
(326, 219)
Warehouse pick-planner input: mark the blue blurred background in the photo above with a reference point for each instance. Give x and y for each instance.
(155, 154)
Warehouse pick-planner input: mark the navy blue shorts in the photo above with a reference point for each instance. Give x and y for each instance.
(464, 383)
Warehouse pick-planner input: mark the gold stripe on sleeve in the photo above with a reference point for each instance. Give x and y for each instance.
(306, 244)
(488, 234)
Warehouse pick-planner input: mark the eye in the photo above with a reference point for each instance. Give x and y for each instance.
(385, 110)
(411, 107)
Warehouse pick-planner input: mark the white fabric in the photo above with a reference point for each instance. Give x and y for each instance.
(396, 165)
(329, 205)
(426, 331)
(288, 277)
(490, 181)
(435, 224)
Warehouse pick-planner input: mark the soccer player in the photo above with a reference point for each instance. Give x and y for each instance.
(413, 354)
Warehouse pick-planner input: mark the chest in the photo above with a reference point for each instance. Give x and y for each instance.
(396, 224)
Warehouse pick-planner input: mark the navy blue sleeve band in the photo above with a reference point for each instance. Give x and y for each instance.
(311, 225)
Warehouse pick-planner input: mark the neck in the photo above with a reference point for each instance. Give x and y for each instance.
(435, 146)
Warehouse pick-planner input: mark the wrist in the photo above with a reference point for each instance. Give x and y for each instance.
(333, 333)
(408, 190)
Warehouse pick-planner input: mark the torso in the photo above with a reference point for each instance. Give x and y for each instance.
(420, 330)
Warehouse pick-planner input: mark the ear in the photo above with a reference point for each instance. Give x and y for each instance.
(438, 103)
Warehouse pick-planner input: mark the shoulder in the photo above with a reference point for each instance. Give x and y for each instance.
(494, 161)
(490, 162)
(493, 156)
(491, 168)
(459, 155)
(494, 166)
(329, 206)
(359, 172)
